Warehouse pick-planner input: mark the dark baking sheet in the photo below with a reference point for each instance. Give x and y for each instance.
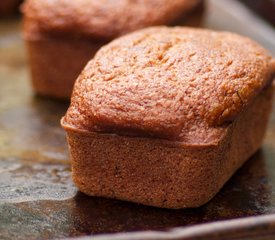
(38, 199)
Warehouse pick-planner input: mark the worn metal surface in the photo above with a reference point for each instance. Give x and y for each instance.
(38, 199)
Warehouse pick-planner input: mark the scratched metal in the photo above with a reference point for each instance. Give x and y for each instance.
(37, 197)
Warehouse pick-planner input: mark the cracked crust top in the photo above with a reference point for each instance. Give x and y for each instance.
(177, 83)
(102, 19)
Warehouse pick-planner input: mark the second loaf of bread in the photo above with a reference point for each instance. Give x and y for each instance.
(62, 36)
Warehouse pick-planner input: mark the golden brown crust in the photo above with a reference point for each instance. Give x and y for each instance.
(94, 19)
(165, 173)
(177, 83)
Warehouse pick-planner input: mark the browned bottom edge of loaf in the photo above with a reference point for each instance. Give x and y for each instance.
(161, 173)
(55, 63)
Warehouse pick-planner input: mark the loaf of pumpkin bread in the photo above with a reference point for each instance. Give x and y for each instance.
(165, 116)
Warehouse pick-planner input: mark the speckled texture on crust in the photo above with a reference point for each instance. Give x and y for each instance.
(177, 83)
(103, 19)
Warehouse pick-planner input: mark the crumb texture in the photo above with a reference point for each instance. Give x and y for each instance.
(173, 83)
(103, 19)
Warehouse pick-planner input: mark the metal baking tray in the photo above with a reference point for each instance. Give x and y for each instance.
(39, 201)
